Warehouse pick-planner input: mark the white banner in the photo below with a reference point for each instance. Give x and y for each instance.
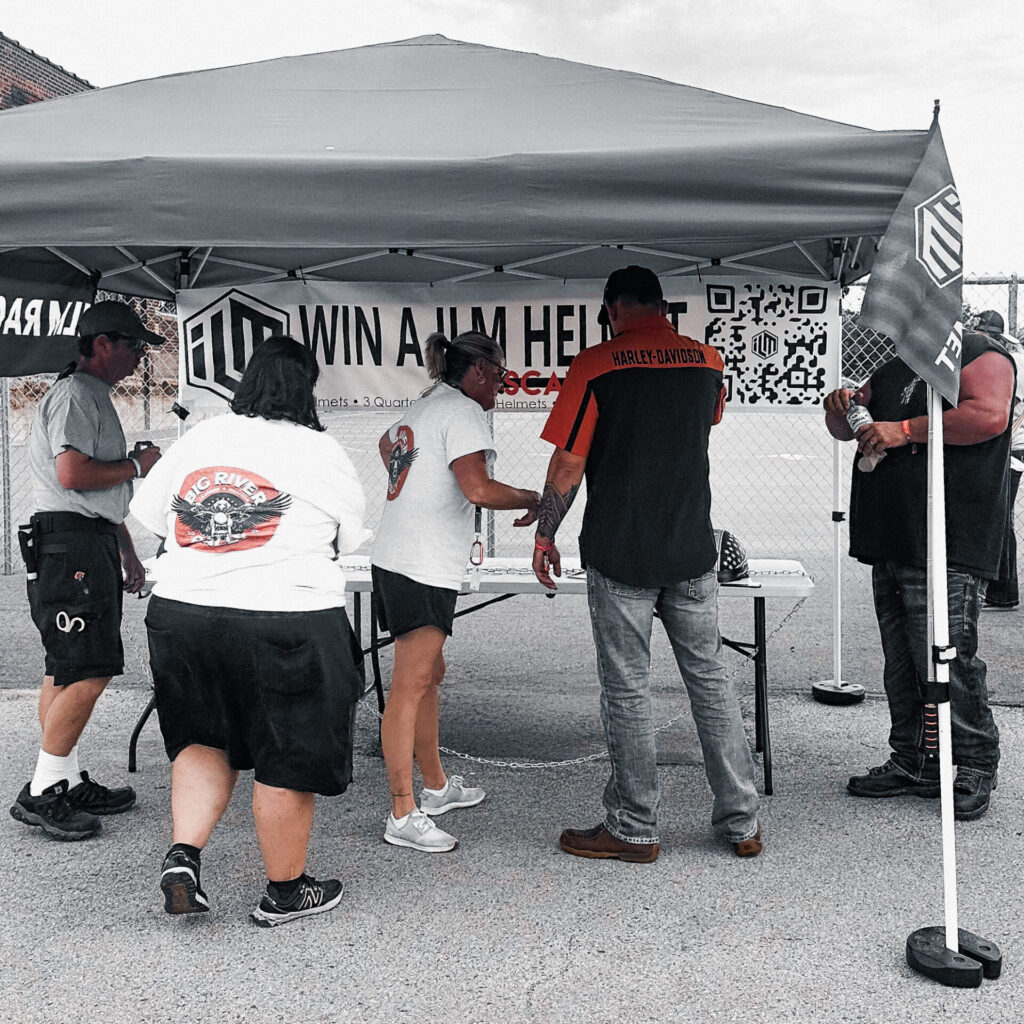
(778, 338)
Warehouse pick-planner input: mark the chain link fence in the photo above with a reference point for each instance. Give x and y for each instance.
(772, 473)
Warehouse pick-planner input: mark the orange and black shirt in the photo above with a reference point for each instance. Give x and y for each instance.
(640, 407)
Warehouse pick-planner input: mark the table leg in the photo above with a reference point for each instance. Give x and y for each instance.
(137, 731)
(764, 740)
(378, 683)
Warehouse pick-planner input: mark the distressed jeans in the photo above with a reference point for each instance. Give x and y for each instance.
(901, 605)
(621, 617)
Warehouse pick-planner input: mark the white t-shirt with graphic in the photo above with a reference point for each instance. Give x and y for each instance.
(251, 510)
(426, 529)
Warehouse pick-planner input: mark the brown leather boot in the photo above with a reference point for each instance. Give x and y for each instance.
(599, 842)
(749, 847)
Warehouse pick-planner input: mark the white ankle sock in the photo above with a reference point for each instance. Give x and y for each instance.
(75, 776)
(50, 769)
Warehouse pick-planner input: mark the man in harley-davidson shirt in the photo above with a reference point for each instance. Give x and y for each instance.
(635, 414)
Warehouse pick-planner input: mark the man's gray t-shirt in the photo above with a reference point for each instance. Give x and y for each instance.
(77, 413)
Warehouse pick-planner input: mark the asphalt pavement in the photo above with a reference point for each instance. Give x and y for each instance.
(507, 928)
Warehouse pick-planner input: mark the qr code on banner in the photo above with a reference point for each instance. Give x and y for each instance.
(776, 339)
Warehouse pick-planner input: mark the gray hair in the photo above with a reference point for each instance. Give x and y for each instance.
(447, 361)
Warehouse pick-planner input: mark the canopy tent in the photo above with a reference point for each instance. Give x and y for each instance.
(431, 159)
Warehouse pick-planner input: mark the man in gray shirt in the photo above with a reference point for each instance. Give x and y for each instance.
(76, 551)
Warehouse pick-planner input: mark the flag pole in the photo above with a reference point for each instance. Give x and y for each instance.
(949, 954)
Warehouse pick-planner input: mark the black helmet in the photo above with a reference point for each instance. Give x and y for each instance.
(732, 558)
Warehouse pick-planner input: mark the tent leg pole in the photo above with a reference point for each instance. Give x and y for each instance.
(837, 691)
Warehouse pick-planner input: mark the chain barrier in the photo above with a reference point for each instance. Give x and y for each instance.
(587, 758)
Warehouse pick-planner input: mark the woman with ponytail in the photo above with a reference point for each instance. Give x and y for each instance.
(439, 457)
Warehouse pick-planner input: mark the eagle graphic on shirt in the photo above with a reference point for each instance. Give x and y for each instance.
(221, 508)
(403, 454)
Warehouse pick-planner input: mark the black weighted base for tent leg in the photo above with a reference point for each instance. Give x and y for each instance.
(928, 954)
(841, 694)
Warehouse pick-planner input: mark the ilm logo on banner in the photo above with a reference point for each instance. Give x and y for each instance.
(939, 233)
(764, 344)
(220, 338)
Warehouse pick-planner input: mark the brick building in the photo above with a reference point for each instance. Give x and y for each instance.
(26, 77)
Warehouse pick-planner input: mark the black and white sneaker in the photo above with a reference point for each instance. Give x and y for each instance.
(96, 799)
(179, 881)
(311, 897)
(54, 813)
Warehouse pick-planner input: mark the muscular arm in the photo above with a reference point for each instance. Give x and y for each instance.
(471, 475)
(986, 397)
(565, 474)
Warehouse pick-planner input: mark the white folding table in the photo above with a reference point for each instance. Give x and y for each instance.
(502, 578)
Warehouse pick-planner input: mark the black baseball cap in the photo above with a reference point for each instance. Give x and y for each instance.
(115, 318)
(989, 320)
(640, 282)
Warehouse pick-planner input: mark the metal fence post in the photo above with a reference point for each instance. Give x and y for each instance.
(5, 431)
(1011, 306)
(147, 388)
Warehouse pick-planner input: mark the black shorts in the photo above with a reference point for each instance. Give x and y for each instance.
(277, 691)
(404, 605)
(76, 598)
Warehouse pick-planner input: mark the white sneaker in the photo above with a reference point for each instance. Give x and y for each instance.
(455, 794)
(417, 831)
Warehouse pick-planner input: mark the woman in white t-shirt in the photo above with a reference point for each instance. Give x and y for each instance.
(255, 665)
(438, 457)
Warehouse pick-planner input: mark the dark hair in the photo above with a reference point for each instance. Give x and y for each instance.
(85, 344)
(448, 361)
(87, 341)
(278, 383)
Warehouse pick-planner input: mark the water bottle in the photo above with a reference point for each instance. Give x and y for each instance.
(858, 416)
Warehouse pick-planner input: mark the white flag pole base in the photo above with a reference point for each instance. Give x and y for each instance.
(975, 957)
(828, 691)
(949, 954)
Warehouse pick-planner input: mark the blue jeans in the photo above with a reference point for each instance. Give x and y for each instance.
(621, 617)
(901, 604)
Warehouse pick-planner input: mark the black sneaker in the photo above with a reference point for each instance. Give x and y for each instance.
(311, 897)
(54, 813)
(179, 881)
(96, 799)
(971, 795)
(888, 780)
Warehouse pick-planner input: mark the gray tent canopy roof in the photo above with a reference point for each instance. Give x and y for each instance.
(430, 159)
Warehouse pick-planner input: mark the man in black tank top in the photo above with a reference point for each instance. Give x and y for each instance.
(888, 531)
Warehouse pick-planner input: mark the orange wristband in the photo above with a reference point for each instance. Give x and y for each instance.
(543, 547)
(905, 424)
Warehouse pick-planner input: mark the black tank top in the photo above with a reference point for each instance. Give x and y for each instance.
(888, 507)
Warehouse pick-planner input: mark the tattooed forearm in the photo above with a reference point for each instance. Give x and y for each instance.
(553, 508)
